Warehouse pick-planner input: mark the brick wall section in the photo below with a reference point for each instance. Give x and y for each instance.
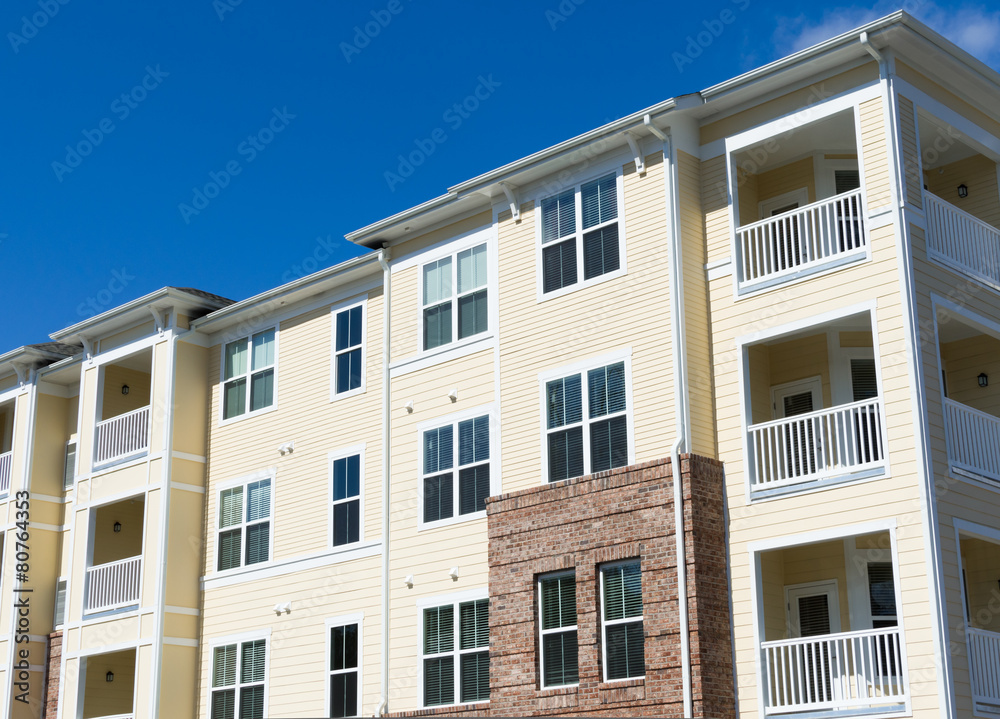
(54, 660)
(580, 524)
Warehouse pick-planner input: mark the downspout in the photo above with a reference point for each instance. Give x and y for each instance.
(161, 586)
(383, 256)
(679, 353)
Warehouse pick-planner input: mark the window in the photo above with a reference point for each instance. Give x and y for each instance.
(442, 455)
(569, 254)
(557, 608)
(344, 671)
(238, 675)
(59, 611)
(455, 297)
(69, 466)
(471, 637)
(244, 524)
(587, 431)
(346, 472)
(348, 361)
(248, 361)
(621, 619)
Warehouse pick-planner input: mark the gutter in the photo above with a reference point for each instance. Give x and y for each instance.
(679, 352)
(383, 256)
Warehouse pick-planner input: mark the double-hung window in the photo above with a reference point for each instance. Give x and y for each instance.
(248, 369)
(465, 643)
(346, 473)
(348, 361)
(238, 677)
(621, 619)
(557, 609)
(454, 297)
(580, 234)
(244, 524)
(456, 475)
(344, 671)
(587, 431)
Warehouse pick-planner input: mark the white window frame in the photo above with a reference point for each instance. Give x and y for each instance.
(542, 633)
(813, 385)
(605, 623)
(828, 587)
(65, 617)
(454, 420)
(248, 338)
(582, 368)
(334, 354)
(243, 482)
(357, 449)
(473, 595)
(491, 314)
(581, 283)
(345, 620)
(239, 640)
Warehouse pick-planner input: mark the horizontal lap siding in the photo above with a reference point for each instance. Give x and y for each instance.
(910, 153)
(628, 311)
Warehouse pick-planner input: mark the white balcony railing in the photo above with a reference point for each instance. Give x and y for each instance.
(116, 716)
(122, 436)
(805, 238)
(852, 670)
(817, 445)
(962, 241)
(113, 585)
(984, 660)
(6, 459)
(973, 440)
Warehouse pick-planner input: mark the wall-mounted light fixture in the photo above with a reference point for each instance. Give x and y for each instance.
(453, 573)
(118, 527)
(124, 389)
(109, 677)
(453, 394)
(984, 380)
(963, 190)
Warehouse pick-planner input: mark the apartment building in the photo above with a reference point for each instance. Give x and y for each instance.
(695, 414)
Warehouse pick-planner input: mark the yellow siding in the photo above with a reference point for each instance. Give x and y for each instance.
(964, 360)
(979, 174)
(946, 97)
(874, 154)
(715, 207)
(910, 153)
(981, 562)
(781, 180)
(113, 402)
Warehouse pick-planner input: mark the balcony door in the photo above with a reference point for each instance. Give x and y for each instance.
(787, 245)
(791, 400)
(864, 385)
(814, 611)
(849, 227)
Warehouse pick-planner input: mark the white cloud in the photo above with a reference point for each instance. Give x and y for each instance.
(971, 26)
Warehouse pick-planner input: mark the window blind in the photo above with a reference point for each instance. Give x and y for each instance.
(558, 216)
(881, 589)
(224, 704)
(69, 466)
(623, 591)
(559, 266)
(59, 617)
(599, 201)
(473, 488)
(600, 252)
(258, 543)
(564, 400)
(474, 440)
(864, 382)
(471, 269)
(231, 509)
(438, 449)
(258, 500)
(224, 666)
(606, 390)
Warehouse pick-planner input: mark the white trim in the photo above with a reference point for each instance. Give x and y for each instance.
(453, 300)
(453, 420)
(444, 353)
(281, 567)
(454, 601)
(581, 368)
(187, 487)
(100, 359)
(827, 587)
(605, 623)
(981, 140)
(443, 248)
(181, 642)
(239, 641)
(719, 269)
(344, 620)
(361, 302)
(869, 307)
(217, 530)
(813, 385)
(189, 611)
(187, 456)
(556, 630)
(331, 457)
(577, 236)
(766, 208)
(248, 376)
(824, 535)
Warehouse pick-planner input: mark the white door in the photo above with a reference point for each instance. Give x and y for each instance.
(814, 611)
(802, 454)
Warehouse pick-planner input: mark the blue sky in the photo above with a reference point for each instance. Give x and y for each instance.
(120, 116)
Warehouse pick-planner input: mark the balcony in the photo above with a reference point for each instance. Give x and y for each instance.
(107, 686)
(114, 571)
(113, 585)
(849, 670)
(814, 412)
(819, 235)
(984, 661)
(979, 569)
(124, 436)
(973, 440)
(797, 210)
(817, 445)
(962, 241)
(811, 667)
(6, 460)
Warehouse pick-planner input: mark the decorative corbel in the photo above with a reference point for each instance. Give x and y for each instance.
(159, 318)
(511, 193)
(640, 164)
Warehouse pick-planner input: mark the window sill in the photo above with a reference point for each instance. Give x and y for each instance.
(627, 691)
(569, 289)
(248, 415)
(460, 519)
(444, 353)
(335, 397)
